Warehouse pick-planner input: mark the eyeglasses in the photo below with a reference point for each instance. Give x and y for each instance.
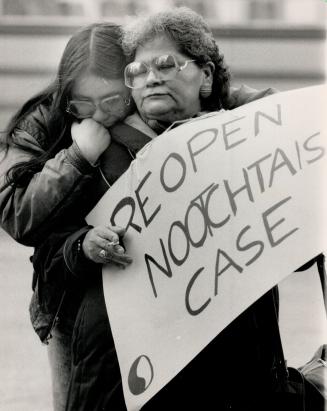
(166, 68)
(115, 105)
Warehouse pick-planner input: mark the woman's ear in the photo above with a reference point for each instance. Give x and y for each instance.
(206, 86)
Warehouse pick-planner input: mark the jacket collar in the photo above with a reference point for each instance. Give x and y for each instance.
(134, 126)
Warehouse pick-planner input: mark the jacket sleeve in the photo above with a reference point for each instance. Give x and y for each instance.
(61, 257)
(244, 94)
(24, 210)
(75, 261)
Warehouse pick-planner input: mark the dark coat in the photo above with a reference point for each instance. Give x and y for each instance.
(62, 275)
(55, 202)
(234, 372)
(58, 284)
(241, 356)
(57, 199)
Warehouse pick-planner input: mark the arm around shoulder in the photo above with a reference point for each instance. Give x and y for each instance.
(244, 94)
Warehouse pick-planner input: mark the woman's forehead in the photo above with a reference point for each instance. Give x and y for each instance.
(92, 86)
(159, 46)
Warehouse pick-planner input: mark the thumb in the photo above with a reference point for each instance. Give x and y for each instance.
(118, 230)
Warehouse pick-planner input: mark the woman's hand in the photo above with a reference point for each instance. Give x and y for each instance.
(91, 137)
(101, 245)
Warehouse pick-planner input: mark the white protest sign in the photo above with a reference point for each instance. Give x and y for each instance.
(218, 210)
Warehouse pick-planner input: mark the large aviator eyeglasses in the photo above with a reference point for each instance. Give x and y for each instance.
(166, 68)
(115, 105)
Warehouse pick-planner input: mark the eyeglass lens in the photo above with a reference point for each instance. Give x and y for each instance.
(165, 66)
(84, 109)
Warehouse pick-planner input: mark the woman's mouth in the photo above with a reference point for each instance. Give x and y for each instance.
(155, 95)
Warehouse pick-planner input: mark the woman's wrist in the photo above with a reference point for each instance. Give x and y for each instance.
(75, 259)
(76, 157)
(91, 160)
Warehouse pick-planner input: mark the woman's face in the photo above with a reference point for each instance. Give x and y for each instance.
(173, 99)
(104, 100)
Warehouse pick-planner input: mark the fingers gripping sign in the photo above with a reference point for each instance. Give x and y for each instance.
(102, 244)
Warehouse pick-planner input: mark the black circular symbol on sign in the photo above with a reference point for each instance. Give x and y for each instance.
(140, 375)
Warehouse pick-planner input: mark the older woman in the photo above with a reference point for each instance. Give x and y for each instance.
(177, 73)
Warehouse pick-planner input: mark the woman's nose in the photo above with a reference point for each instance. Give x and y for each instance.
(153, 78)
(99, 115)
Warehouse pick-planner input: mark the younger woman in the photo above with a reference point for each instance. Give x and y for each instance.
(50, 176)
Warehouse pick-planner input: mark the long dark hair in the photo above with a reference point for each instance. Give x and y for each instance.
(95, 49)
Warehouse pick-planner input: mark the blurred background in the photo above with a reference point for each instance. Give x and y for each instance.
(279, 43)
(267, 43)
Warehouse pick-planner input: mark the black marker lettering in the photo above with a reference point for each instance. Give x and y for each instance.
(248, 246)
(259, 114)
(231, 195)
(126, 201)
(164, 269)
(226, 134)
(178, 261)
(191, 310)
(179, 160)
(201, 135)
(269, 228)
(256, 165)
(320, 149)
(141, 203)
(275, 166)
(219, 272)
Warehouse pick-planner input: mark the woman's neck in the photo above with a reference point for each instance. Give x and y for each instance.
(157, 126)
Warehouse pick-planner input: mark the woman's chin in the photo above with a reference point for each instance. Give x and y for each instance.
(156, 110)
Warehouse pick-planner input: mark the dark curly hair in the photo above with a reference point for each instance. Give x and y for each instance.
(193, 37)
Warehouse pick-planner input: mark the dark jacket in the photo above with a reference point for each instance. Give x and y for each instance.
(244, 347)
(57, 199)
(237, 371)
(234, 372)
(29, 214)
(56, 202)
(56, 266)
(243, 352)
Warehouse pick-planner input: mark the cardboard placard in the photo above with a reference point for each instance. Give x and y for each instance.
(219, 210)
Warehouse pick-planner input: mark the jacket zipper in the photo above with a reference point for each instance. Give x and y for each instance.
(55, 321)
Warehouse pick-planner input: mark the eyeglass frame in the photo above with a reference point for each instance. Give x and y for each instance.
(150, 68)
(126, 100)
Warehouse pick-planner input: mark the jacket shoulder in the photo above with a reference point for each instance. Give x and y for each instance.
(35, 124)
(244, 94)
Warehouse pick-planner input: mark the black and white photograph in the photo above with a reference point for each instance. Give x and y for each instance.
(163, 223)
